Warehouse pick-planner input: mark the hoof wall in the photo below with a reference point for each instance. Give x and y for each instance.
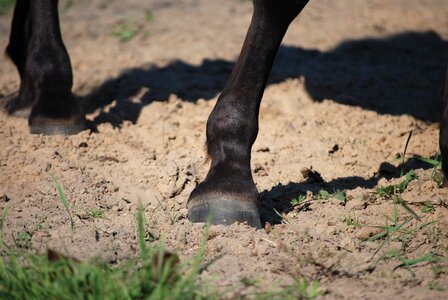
(65, 129)
(223, 210)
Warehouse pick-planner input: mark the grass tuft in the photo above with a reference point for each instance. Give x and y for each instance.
(436, 173)
(2, 223)
(131, 26)
(64, 201)
(300, 289)
(154, 274)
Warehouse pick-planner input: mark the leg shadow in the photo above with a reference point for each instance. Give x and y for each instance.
(280, 196)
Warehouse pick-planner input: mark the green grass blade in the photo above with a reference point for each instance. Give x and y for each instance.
(407, 208)
(2, 223)
(430, 161)
(64, 201)
(281, 217)
(429, 258)
(141, 222)
(404, 152)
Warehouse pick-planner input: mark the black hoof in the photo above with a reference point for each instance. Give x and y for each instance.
(223, 210)
(56, 129)
(52, 127)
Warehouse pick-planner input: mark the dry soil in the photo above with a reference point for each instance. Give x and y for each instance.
(351, 80)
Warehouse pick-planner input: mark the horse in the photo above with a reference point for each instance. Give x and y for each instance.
(228, 193)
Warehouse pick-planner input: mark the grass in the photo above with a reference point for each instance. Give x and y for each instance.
(2, 223)
(340, 195)
(298, 200)
(6, 5)
(154, 274)
(300, 289)
(436, 163)
(403, 229)
(351, 220)
(131, 26)
(428, 208)
(36, 277)
(23, 239)
(64, 201)
(404, 153)
(392, 190)
(96, 213)
(433, 285)
(282, 217)
(171, 215)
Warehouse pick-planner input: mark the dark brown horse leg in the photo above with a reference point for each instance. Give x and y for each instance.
(228, 194)
(16, 50)
(443, 138)
(37, 49)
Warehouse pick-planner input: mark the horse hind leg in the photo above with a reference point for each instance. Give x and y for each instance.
(37, 49)
(21, 104)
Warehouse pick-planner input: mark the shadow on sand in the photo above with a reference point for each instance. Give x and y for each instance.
(280, 196)
(401, 74)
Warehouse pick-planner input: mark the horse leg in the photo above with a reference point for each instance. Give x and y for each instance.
(228, 194)
(16, 50)
(443, 138)
(37, 49)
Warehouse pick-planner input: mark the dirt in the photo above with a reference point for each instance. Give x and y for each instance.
(351, 80)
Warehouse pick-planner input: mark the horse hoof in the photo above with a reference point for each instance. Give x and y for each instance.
(223, 210)
(54, 127)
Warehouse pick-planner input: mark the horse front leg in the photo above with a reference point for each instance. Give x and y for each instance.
(228, 194)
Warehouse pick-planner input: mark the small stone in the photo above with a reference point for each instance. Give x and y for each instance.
(268, 227)
(260, 170)
(4, 198)
(311, 175)
(263, 149)
(65, 166)
(334, 149)
(126, 200)
(356, 204)
(82, 145)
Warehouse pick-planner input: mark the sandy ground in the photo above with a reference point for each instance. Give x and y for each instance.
(352, 79)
